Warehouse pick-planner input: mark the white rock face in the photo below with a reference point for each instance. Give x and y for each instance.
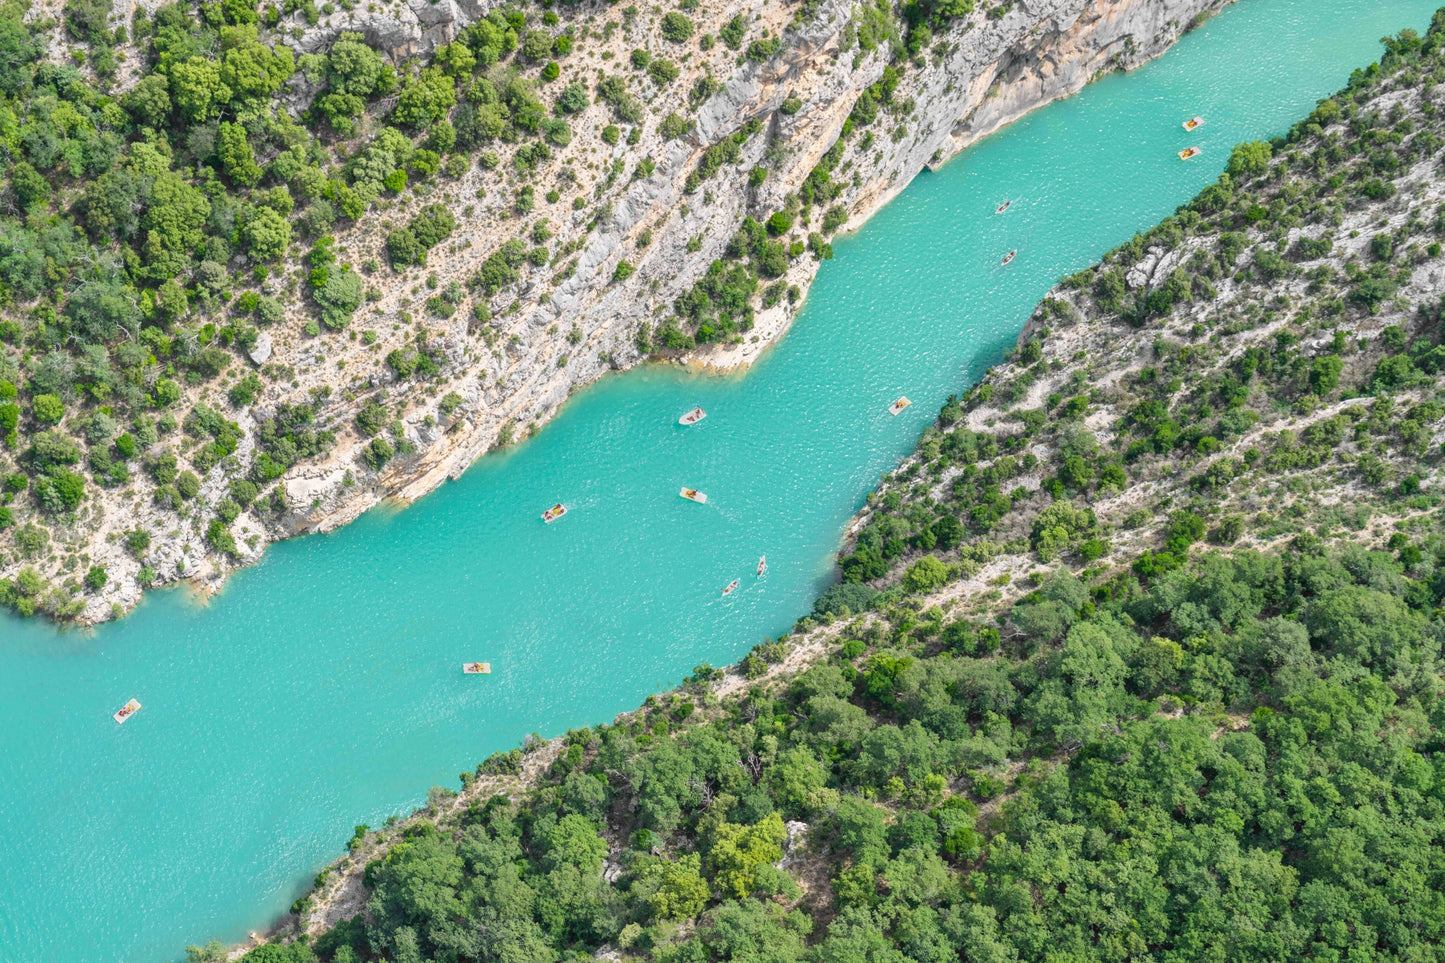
(262, 350)
(793, 845)
(415, 29)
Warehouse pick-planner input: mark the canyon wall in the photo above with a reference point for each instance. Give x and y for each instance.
(548, 337)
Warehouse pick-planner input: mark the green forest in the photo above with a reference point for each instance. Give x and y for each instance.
(1177, 699)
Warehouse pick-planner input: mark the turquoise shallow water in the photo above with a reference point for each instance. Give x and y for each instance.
(322, 687)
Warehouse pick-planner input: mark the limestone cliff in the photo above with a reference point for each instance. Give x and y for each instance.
(992, 72)
(548, 335)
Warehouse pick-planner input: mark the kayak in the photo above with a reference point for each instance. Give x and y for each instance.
(1189, 152)
(1001, 208)
(127, 710)
(692, 417)
(477, 668)
(1010, 256)
(1193, 122)
(731, 586)
(898, 406)
(693, 495)
(762, 564)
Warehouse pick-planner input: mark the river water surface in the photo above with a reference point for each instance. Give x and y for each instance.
(322, 687)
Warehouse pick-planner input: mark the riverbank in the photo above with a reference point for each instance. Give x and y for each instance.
(340, 893)
(510, 375)
(976, 90)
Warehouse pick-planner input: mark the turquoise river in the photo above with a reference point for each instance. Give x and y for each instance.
(321, 688)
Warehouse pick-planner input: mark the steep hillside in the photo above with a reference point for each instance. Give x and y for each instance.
(262, 267)
(1137, 658)
(1262, 364)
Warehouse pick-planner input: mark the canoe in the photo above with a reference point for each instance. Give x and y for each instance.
(1010, 256)
(693, 495)
(1001, 208)
(731, 586)
(126, 711)
(898, 406)
(692, 417)
(554, 513)
(477, 668)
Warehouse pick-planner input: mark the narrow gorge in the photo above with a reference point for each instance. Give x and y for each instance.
(699, 237)
(1181, 548)
(1214, 447)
